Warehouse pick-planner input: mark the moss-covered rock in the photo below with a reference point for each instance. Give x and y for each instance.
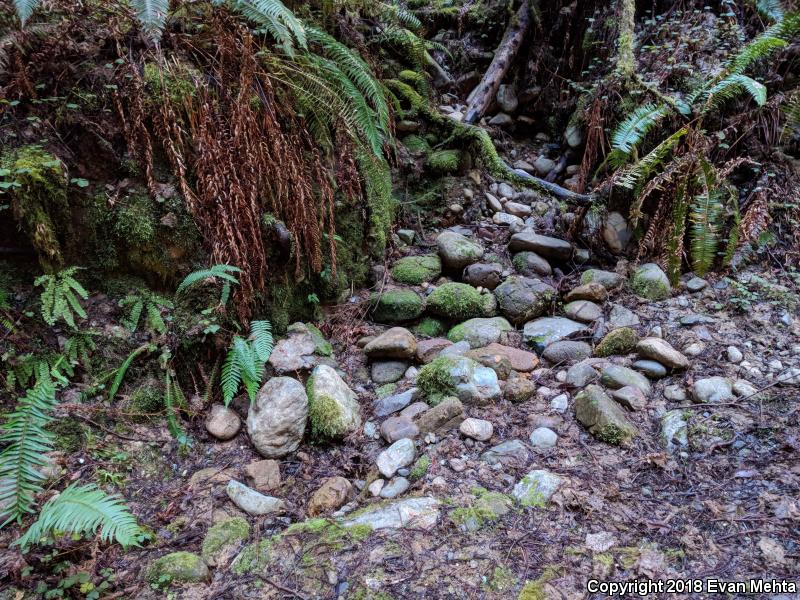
(444, 162)
(459, 301)
(618, 341)
(429, 327)
(322, 347)
(333, 408)
(458, 376)
(417, 269)
(223, 538)
(254, 558)
(416, 144)
(604, 418)
(420, 468)
(649, 281)
(177, 567)
(396, 306)
(486, 508)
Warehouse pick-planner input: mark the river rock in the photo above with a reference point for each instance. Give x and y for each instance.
(619, 316)
(537, 488)
(396, 342)
(531, 264)
(222, 422)
(543, 332)
(581, 374)
(415, 270)
(660, 350)
(509, 453)
(397, 428)
(459, 376)
(388, 371)
(458, 251)
(331, 495)
(252, 502)
(594, 292)
(396, 306)
(583, 311)
(566, 351)
(276, 421)
(400, 454)
(428, 350)
(394, 403)
(649, 281)
(446, 415)
(616, 232)
(651, 368)
(604, 418)
(630, 397)
(712, 389)
(549, 247)
(521, 361)
(415, 513)
(477, 429)
(333, 407)
(294, 353)
(459, 301)
(615, 377)
(507, 98)
(674, 431)
(521, 299)
(487, 275)
(608, 279)
(543, 437)
(480, 331)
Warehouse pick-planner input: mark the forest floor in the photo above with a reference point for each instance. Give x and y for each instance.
(724, 506)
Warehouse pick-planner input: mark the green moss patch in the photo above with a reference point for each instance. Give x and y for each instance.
(429, 327)
(223, 535)
(457, 301)
(414, 270)
(618, 341)
(444, 162)
(435, 381)
(396, 306)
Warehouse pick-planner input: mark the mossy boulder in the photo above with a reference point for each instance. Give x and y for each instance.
(416, 144)
(177, 567)
(480, 332)
(223, 539)
(429, 327)
(444, 162)
(604, 418)
(649, 281)
(333, 408)
(396, 306)
(618, 341)
(458, 376)
(414, 270)
(459, 301)
(322, 347)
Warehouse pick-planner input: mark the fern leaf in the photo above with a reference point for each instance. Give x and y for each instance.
(23, 458)
(637, 173)
(154, 320)
(152, 15)
(216, 272)
(705, 216)
(120, 375)
(634, 128)
(131, 321)
(25, 9)
(172, 390)
(230, 377)
(261, 336)
(772, 9)
(82, 510)
(276, 19)
(734, 85)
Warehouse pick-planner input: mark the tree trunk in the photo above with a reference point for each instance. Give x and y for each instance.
(481, 97)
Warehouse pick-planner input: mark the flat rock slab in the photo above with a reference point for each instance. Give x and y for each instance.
(542, 332)
(549, 247)
(416, 513)
(521, 360)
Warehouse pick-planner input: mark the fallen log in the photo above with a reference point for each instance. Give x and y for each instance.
(481, 98)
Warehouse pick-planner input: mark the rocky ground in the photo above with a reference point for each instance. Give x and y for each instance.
(512, 420)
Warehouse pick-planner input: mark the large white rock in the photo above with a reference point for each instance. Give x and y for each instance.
(417, 513)
(276, 421)
(400, 454)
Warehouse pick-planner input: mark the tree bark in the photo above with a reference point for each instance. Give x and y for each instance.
(482, 96)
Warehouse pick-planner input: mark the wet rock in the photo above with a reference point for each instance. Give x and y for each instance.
(651, 368)
(415, 513)
(543, 437)
(265, 474)
(566, 352)
(415, 270)
(486, 275)
(396, 342)
(543, 165)
(459, 301)
(462, 377)
(477, 429)
(674, 431)
(522, 298)
(712, 389)
(458, 251)
(251, 501)
(615, 377)
(622, 317)
(616, 232)
(549, 247)
(507, 98)
(446, 415)
(515, 224)
(333, 407)
(660, 350)
(530, 264)
(397, 428)
(608, 279)
(537, 488)
(480, 332)
(542, 332)
(276, 422)
(395, 487)
(493, 203)
(696, 284)
(649, 281)
(594, 292)
(518, 210)
(400, 454)
(630, 397)
(509, 453)
(394, 403)
(222, 422)
(584, 311)
(331, 495)
(388, 371)
(519, 390)
(604, 418)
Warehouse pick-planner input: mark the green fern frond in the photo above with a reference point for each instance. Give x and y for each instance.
(395, 14)
(261, 339)
(276, 19)
(26, 443)
(771, 9)
(82, 510)
(172, 391)
(634, 128)
(734, 85)
(25, 9)
(638, 173)
(230, 377)
(120, 375)
(735, 232)
(677, 233)
(216, 272)
(705, 216)
(152, 15)
(58, 299)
